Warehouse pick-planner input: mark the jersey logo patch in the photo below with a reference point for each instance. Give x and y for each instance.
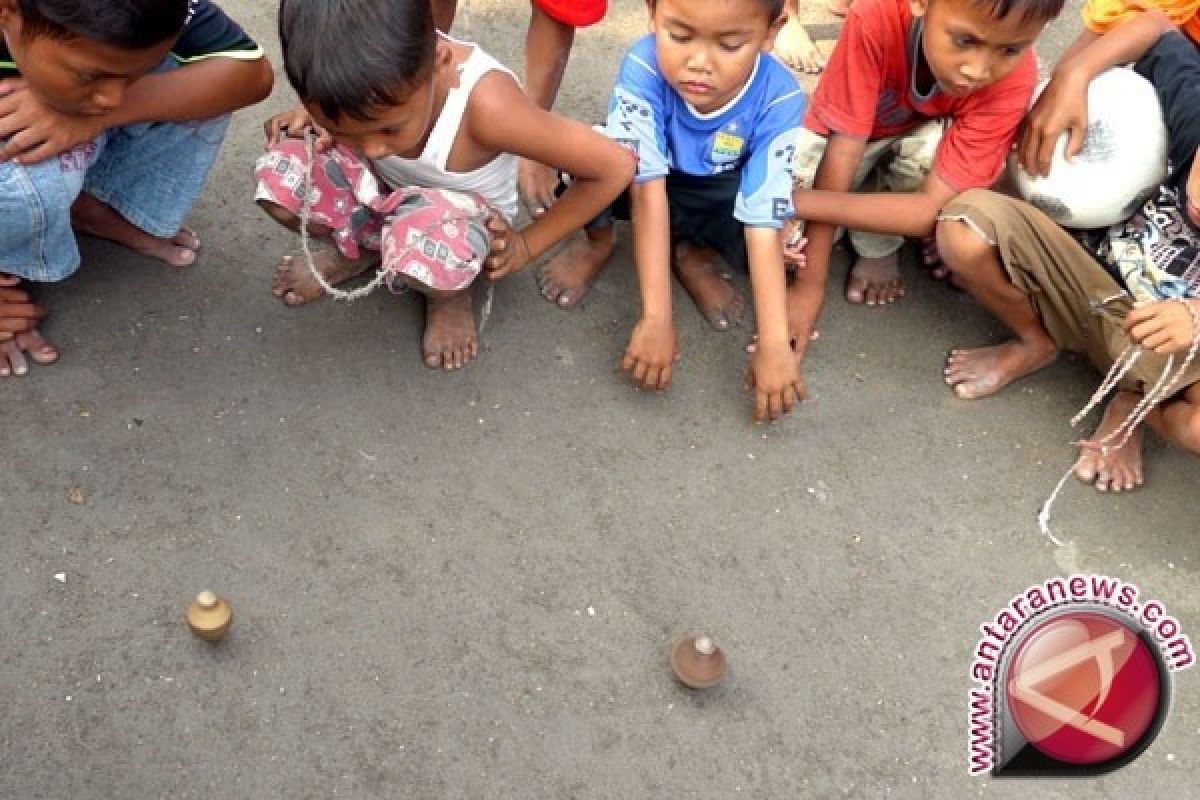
(727, 147)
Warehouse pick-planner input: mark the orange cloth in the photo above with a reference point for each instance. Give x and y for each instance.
(1101, 16)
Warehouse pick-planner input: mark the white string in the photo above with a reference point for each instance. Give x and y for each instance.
(381, 274)
(1161, 390)
(305, 246)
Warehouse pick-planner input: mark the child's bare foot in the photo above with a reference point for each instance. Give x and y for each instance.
(294, 283)
(840, 8)
(1118, 470)
(933, 259)
(796, 48)
(875, 281)
(983, 371)
(13, 353)
(715, 297)
(450, 338)
(566, 278)
(94, 218)
(536, 184)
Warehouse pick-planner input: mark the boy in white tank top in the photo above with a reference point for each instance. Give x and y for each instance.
(416, 138)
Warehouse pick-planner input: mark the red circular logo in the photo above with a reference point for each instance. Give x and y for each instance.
(1083, 688)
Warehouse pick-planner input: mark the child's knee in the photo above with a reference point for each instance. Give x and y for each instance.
(36, 237)
(810, 149)
(959, 245)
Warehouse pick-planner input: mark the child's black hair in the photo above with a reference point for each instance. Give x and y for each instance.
(1026, 10)
(125, 24)
(353, 57)
(774, 8)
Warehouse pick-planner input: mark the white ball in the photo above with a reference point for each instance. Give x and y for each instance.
(1124, 157)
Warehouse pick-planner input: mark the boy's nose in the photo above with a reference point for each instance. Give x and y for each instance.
(376, 150)
(977, 70)
(108, 95)
(698, 60)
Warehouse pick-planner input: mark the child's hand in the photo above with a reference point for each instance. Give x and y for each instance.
(1061, 107)
(794, 243)
(292, 124)
(509, 251)
(36, 132)
(774, 375)
(1165, 327)
(653, 349)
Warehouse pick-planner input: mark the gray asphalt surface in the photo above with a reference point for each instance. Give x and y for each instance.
(465, 585)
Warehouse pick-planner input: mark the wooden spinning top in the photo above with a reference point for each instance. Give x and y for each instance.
(698, 662)
(209, 616)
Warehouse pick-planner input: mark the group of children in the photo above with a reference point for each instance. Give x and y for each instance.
(410, 151)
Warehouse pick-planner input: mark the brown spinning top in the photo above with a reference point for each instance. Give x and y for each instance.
(209, 616)
(698, 662)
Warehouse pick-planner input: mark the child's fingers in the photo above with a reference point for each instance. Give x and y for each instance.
(628, 362)
(760, 406)
(1075, 139)
(639, 372)
(1160, 342)
(1140, 314)
(497, 225)
(497, 267)
(788, 398)
(1140, 330)
(664, 378)
(35, 155)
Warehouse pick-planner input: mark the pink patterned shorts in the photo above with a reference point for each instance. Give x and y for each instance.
(438, 237)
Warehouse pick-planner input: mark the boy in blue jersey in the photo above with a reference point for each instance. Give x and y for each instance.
(712, 118)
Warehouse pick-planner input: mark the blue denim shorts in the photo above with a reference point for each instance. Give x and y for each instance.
(150, 173)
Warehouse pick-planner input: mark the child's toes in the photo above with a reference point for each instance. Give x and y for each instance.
(37, 347)
(178, 256)
(12, 359)
(186, 237)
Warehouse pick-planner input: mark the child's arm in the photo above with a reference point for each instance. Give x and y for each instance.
(653, 345)
(1062, 106)
(500, 117)
(773, 374)
(36, 132)
(898, 213)
(196, 91)
(807, 295)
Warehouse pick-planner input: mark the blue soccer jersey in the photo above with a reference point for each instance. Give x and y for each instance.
(755, 132)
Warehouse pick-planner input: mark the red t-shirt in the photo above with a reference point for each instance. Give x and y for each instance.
(867, 92)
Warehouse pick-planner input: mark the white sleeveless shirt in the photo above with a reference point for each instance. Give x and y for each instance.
(495, 181)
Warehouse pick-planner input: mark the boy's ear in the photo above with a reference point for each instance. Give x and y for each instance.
(9, 13)
(919, 7)
(443, 53)
(769, 43)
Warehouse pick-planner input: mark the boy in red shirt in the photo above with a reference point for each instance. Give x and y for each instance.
(922, 97)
